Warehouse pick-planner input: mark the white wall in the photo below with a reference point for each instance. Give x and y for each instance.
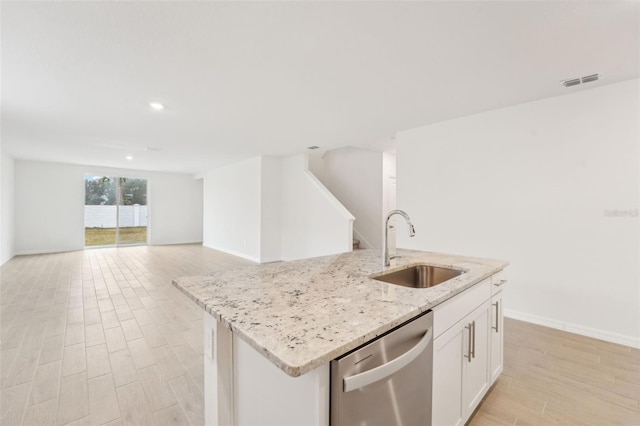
(232, 209)
(389, 182)
(355, 177)
(389, 199)
(175, 206)
(267, 208)
(313, 222)
(530, 184)
(271, 203)
(7, 202)
(364, 181)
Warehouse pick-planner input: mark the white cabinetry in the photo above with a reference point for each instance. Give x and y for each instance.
(475, 370)
(465, 353)
(242, 387)
(446, 398)
(497, 327)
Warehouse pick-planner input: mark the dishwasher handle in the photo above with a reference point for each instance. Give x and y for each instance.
(385, 370)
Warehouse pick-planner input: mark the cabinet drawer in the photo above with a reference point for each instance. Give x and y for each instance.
(453, 310)
(498, 280)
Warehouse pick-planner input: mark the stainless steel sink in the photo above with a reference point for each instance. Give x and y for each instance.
(419, 276)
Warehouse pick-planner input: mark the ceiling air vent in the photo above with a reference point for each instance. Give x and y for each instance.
(580, 80)
(572, 82)
(588, 78)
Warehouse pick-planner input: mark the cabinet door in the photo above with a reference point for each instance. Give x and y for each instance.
(476, 366)
(446, 399)
(497, 336)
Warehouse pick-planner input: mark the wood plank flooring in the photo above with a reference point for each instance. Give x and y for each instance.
(101, 337)
(552, 377)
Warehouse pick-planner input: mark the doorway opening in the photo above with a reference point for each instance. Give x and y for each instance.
(115, 211)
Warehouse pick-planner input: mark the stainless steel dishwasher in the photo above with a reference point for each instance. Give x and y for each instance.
(387, 381)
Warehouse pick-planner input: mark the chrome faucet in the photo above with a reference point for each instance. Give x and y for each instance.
(385, 248)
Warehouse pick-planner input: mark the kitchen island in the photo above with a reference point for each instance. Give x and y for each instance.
(300, 315)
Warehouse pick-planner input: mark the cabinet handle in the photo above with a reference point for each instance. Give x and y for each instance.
(499, 284)
(468, 355)
(497, 316)
(473, 351)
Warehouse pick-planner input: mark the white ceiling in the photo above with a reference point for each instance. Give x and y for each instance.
(241, 79)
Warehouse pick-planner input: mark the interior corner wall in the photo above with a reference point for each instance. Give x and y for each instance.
(313, 222)
(355, 177)
(316, 165)
(552, 186)
(267, 209)
(271, 203)
(232, 209)
(49, 200)
(7, 207)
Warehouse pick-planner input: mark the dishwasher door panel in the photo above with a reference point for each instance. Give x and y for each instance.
(395, 389)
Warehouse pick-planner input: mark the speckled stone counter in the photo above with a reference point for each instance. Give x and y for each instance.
(301, 314)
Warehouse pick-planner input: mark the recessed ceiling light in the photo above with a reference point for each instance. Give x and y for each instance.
(156, 105)
(129, 157)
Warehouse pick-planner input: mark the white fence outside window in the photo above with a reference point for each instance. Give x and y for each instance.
(105, 216)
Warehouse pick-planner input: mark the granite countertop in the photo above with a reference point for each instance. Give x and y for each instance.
(304, 313)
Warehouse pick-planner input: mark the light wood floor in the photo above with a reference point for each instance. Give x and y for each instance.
(552, 377)
(102, 337)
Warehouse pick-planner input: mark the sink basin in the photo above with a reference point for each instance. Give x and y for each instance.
(419, 276)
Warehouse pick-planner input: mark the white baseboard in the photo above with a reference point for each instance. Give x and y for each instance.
(608, 336)
(271, 260)
(232, 252)
(179, 243)
(47, 251)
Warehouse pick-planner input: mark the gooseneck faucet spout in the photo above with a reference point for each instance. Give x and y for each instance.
(385, 249)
